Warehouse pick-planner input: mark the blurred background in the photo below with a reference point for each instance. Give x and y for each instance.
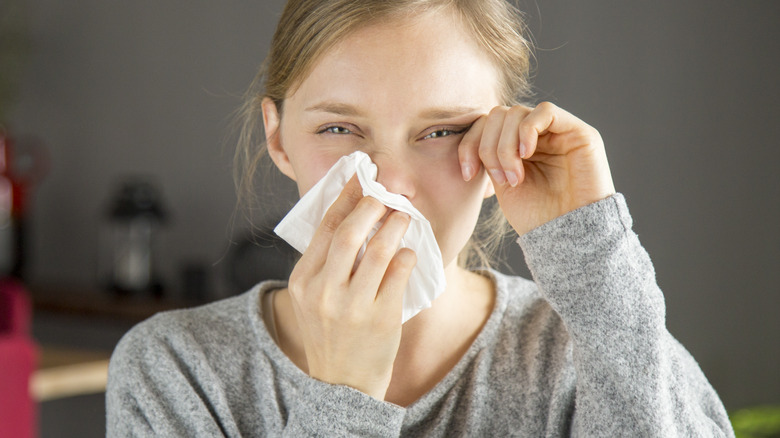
(120, 112)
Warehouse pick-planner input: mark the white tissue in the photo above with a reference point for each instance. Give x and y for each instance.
(297, 228)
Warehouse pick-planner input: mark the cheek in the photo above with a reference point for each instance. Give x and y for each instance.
(444, 180)
(310, 168)
(310, 157)
(438, 168)
(451, 205)
(454, 227)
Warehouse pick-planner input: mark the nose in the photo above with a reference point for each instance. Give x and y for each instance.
(395, 174)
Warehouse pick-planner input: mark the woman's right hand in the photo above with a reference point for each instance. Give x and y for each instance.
(350, 319)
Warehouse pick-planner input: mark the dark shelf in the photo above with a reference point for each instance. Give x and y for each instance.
(86, 302)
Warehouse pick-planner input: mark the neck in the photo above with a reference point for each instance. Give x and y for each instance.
(436, 338)
(463, 287)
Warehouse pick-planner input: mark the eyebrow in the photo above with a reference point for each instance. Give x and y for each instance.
(446, 112)
(341, 109)
(436, 113)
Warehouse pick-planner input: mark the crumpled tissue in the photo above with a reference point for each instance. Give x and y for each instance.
(297, 228)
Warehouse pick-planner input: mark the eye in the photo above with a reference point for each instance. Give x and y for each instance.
(443, 132)
(335, 129)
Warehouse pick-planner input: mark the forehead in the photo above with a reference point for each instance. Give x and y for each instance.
(429, 59)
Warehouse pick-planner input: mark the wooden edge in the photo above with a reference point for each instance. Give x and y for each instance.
(69, 380)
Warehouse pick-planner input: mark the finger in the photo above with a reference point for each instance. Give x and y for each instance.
(489, 143)
(509, 145)
(391, 291)
(314, 256)
(349, 237)
(547, 118)
(380, 250)
(468, 149)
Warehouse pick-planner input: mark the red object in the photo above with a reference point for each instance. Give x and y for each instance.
(17, 362)
(22, 166)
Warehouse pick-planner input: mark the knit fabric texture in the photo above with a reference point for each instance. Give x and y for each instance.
(582, 350)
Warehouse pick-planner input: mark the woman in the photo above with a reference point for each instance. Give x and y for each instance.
(429, 89)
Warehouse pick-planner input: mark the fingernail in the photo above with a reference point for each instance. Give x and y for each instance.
(512, 178)
(498, 176)
(468, 171)
(523, 150)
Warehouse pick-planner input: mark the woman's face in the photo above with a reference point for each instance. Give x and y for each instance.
(404, 93)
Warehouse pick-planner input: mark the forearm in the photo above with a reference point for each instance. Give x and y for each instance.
(632, 376)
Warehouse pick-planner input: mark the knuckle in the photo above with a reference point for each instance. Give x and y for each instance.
(296, 286)
(546, 106)
(593, 134)
(526, 127)
(370, 206)
(347, 237)
(497, 111)
(507, 149)
(349, 313)
(353, 194)
(330, 221)
(486, 148)
(588, 135)
(380, 248)
(372, 203)
(517, 111)
(484, 153)
(354, 317)
(328, 312)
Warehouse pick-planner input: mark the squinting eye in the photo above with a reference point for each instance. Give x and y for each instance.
(442, 133)
(335, 130)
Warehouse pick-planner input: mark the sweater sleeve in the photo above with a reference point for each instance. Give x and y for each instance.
(336, 410)
(633, 377)
(169, 377)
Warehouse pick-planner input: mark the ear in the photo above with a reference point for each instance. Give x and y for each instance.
(272, 123)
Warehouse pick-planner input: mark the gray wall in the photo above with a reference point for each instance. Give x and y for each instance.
(684, 93)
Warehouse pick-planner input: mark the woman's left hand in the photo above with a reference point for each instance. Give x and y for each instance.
(543, 162)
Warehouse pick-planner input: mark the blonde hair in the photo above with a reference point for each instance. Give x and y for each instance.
(308, 28)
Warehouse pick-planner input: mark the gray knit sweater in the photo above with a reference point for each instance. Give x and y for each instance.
(581, 351)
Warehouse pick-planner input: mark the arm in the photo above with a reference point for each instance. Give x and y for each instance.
(633, 378)
(552, 180)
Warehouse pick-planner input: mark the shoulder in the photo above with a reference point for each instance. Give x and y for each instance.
(191, 324)
(188, 364)
(517, 297)
(194, 334)
(527, 319)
